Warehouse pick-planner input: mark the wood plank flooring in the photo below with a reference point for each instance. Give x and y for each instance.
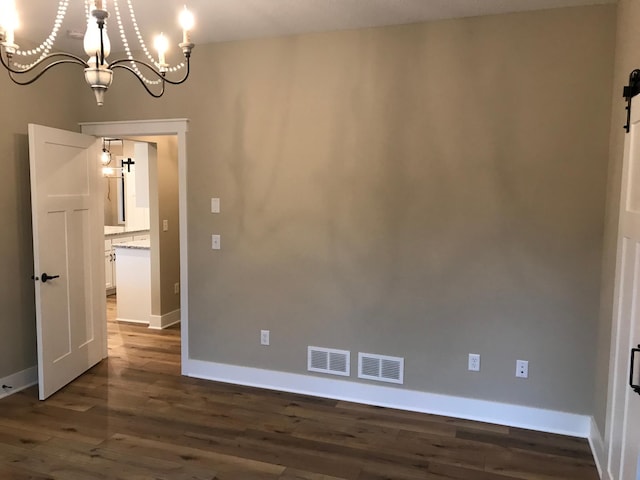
(134, 417)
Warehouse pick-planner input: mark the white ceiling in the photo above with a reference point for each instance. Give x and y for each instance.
(224, 20)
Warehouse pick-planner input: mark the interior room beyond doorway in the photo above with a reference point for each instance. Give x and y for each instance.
(142, 241)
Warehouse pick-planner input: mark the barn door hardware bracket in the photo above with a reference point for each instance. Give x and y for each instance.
(632, 384)
(629, 92)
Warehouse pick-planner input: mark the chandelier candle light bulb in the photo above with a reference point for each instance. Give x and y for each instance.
(186, 22)
(162, 45)
(9, 21)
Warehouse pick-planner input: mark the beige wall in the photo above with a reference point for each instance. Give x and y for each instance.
(21, 106)
(168, 210)
(165, 260)
(627, 58)
(423, 191)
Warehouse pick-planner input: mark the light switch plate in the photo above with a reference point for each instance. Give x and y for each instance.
(215, 242)
(165, 225)
(215, 205)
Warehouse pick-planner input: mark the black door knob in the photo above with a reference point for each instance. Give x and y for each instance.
(46, 277)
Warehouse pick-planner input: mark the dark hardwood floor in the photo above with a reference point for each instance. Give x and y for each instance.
(134, 417)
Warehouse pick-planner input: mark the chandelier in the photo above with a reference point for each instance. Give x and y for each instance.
(98, 73)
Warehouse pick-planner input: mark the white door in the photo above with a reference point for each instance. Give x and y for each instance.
(625, 409)
(68, 237)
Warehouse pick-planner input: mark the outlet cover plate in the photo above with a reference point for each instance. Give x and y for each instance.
(522, 369)
(474, 362)
(264, 337)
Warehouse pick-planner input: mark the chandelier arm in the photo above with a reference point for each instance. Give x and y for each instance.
(41, 73)
(44, 70)
(117, 63)
(70, 58)
(135, 74)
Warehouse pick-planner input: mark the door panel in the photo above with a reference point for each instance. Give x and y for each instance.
(68, 238)
(624, 441)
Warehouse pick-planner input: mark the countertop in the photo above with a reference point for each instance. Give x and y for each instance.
(135, 244)
(112, 231)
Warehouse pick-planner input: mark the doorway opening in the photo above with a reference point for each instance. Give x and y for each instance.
(156, 133)
(142, 242)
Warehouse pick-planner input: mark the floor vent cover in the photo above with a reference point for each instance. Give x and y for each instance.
(329, 360)
(381, 368)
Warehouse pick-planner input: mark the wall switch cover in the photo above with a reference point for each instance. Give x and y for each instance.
(215, 205)
(215, 242)
(165, 225)
(264, 337)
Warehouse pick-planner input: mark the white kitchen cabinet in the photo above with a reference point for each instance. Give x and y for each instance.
(111, 281)
(134, 269)
(109, 271)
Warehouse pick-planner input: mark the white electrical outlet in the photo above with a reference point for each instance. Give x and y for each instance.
(215, 205)
(165, 225)
(215, 242)
(474, 362)
(264, 337)
(176, 288)
(522, 369)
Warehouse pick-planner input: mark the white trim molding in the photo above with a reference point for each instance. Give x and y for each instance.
(168, 126)
(131, 320)
(596, 442)
(159, 322)
(19, 381)
(550, 421)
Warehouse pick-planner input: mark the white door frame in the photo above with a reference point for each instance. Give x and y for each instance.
(179, 128)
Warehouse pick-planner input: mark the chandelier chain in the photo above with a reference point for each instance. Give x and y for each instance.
(143, 45)
(137, 30)
(45, 47)
(141, 41)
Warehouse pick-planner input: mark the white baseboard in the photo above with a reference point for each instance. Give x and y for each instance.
(596, 442)
(158, 322)
(467, 408)
(129, 320)
(19, 381)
